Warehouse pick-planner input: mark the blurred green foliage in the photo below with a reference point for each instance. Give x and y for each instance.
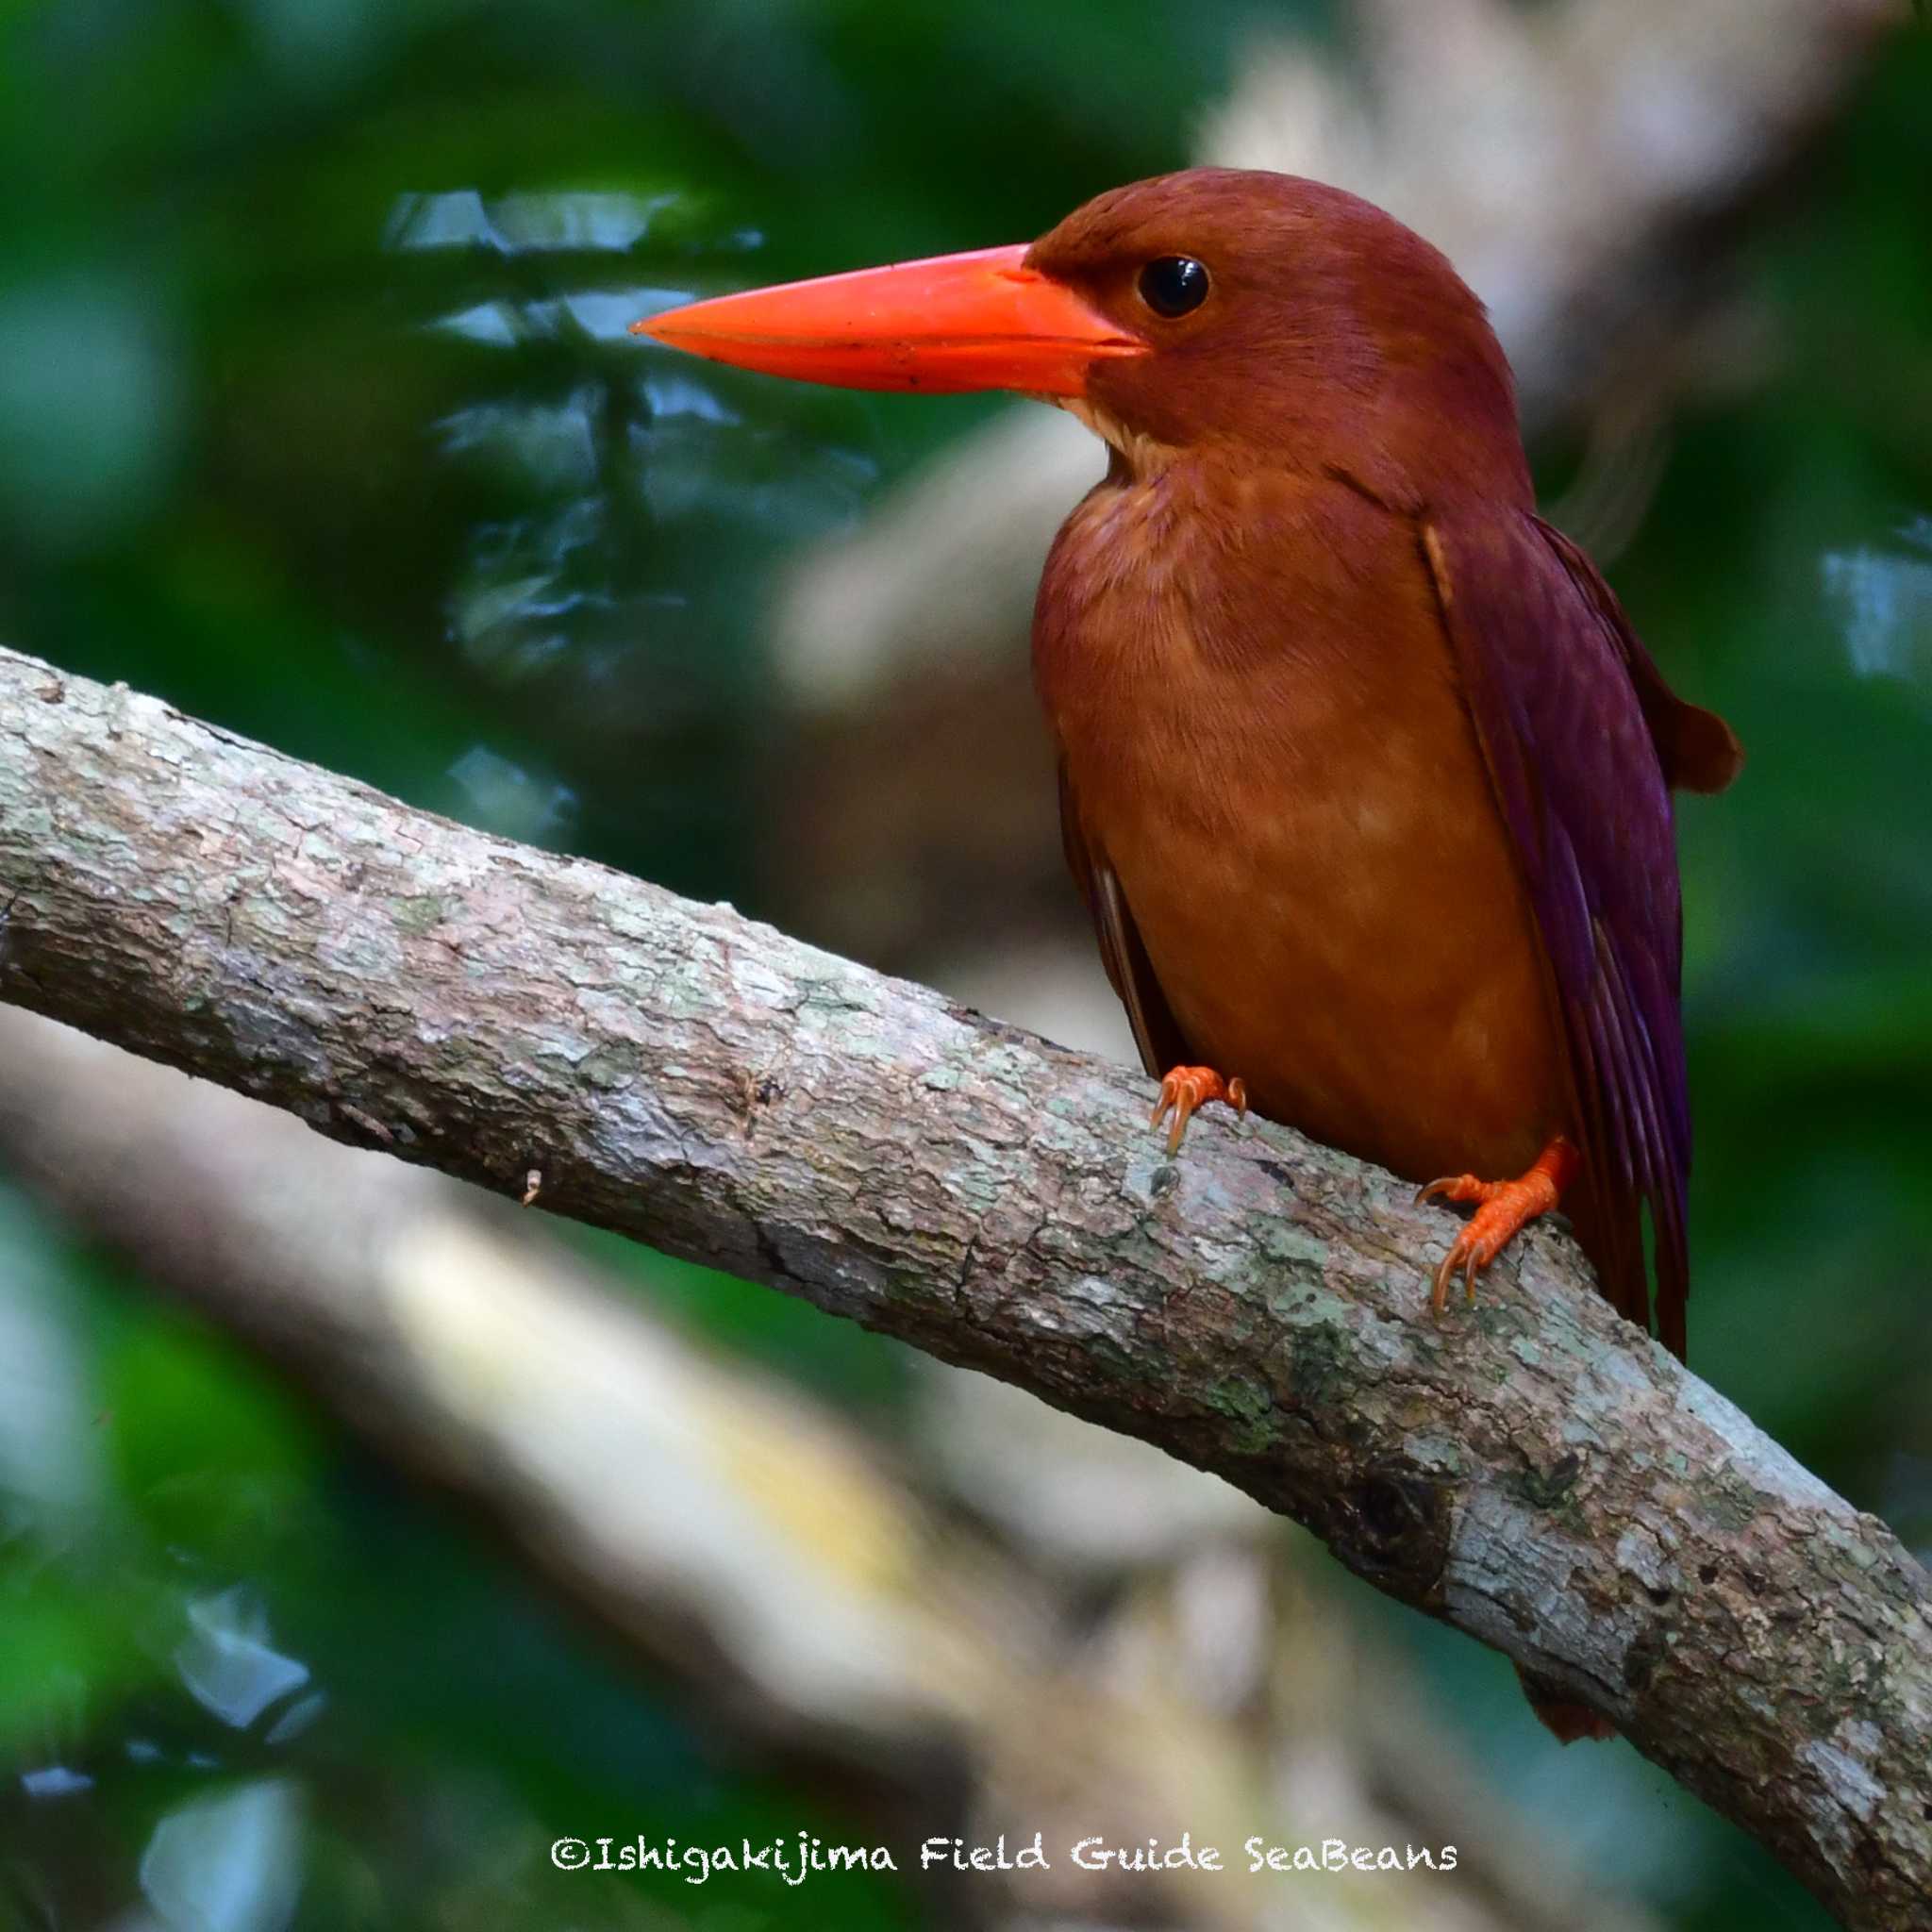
(318, 418)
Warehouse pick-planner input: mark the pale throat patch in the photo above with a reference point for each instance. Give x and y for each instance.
(1146, 455)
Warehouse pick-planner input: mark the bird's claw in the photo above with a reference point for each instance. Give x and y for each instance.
(1503, 1210)
(1457, 1187)
(1187, 1089)
(1470, 1252)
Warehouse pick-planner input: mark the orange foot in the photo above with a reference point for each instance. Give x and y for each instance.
(1503, 1208)
(1188, 1088)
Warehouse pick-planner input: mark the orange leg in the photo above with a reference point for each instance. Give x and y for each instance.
(1501, 1208)
(1188, 1088)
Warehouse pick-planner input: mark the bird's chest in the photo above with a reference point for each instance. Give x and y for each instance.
(1273, 708)
(1266, 743)
(1275, 778)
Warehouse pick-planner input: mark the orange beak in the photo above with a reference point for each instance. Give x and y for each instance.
(953, 321)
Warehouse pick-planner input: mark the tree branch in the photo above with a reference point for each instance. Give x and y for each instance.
(1533, 1472)
(789, 1583)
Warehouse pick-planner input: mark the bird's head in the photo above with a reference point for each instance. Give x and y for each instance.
(1270, 318)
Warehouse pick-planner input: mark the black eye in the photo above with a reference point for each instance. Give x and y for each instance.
(1174, 284)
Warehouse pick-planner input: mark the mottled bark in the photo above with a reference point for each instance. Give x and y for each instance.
(783, 1576)
(1533, 1471)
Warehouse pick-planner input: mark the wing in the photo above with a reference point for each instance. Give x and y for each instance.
(1698, 751)
(1582, 737)
(1155, 1031)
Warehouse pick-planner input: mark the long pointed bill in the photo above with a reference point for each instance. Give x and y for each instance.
(953, 321)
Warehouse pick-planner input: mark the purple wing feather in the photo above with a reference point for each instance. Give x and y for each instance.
(1583, 739)
(1156, 1033)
